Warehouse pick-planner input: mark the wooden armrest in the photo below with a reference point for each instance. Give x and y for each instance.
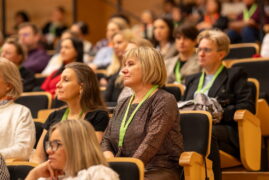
(194, 166)
(246, 116)
(249, 132)
(16, 163)
(10, 160)
(263, 115)
(188, 158)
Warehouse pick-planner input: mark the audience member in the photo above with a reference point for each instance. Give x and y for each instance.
(145, 28)
(104, 56)
(232, 8)
(4, 174)
(150, 114)
(198, 10)
(14, 52)
(55, 61)
(74, 153)
(55, 27)
(178, 15)
(71, 51)
(245, 27)
(37, 58)
(79, 88)
(118, 81)
(168, 8)
(81, 29)
(186, 62)
(17, 130)
(20, 18)
(163, 37)
(212, 17)
(120, 42)
(228, 86)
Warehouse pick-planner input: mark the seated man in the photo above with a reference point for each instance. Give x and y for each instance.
(37, 58)
(245, 28)
(228, 86)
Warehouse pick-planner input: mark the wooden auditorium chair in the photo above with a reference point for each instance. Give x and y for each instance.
(196, 128)
(127, 168)
(249, 132)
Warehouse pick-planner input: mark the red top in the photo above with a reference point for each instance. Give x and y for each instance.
(49, 85)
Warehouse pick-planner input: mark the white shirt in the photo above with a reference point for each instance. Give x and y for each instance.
(17, 131)
(98, 172)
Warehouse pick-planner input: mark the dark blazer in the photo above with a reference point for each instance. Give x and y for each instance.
(231, 90)
(28, 78)
(113, 89)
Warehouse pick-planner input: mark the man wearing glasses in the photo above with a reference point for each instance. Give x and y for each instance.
(29, 37)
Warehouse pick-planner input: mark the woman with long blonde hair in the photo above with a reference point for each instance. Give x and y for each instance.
(74, 153)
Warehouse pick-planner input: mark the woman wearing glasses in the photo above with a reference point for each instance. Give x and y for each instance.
(74, 153)
(78, 87)
(229, 86)
(146, 124)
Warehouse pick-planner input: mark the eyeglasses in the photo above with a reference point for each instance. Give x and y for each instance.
(206, 50)
(53, 145)
(24, 34)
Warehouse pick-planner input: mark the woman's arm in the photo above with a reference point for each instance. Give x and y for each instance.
(108, 154)
(99, 135)
(39, 155)
(24, 137)
(163, 118)
(43, 170)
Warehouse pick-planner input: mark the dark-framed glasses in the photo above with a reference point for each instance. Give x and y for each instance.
(53, 145)
(206, 50)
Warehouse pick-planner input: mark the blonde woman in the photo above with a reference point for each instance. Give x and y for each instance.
(74, 153)
(122, 41)
(149, 114)
(17, 130)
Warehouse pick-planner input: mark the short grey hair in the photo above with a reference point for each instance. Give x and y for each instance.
(221, 39)
(11, 75)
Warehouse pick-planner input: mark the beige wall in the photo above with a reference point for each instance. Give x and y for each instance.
(94, 12)
(39, 10)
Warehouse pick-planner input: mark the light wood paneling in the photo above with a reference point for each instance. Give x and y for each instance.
(38, 10)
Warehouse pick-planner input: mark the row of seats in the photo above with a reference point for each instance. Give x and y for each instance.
(194, 159)
(127, 168)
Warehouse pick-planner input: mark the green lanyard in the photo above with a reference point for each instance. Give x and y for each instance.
(124, 125)
(248, 13)
(177, 72)
(65, 116)
(200, 88)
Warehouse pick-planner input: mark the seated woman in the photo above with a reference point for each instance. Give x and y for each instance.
(104, 55)
(245, 29)
(74, 153)
(81, 29)
(71, 51)
(186, 62)
(163, 39)
(122, 42)
(17, 130)
(55, 61)
(13, 51)
(212, 17)
(79, 89)
(228, 86)
(146, 125)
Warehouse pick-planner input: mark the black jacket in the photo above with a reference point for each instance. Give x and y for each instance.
(231, 90)
(28, 78)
